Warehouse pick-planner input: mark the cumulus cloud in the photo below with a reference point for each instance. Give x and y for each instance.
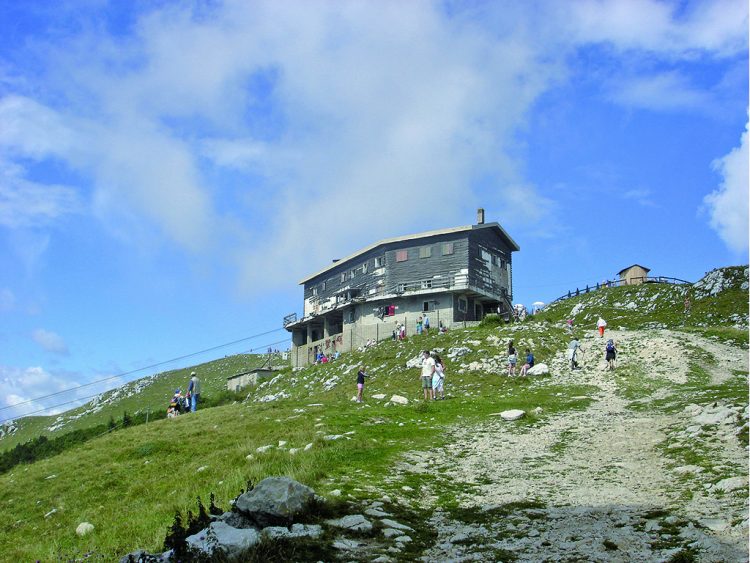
(267, 130)
(667, 91)
(50, 341)
(728, 204)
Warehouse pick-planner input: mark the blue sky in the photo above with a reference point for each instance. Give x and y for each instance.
(170, 170)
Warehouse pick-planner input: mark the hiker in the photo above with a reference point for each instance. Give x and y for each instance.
(601, 324)
(573, 348)
(419, 325)
(361, 374)
(194, 391)
(569, 326)
(175, 404)
(438, 379)
(529, 362)
(428, 369)
(512, 359)
(442, 329)
(687, 304)
(426, 324)
(611, 354)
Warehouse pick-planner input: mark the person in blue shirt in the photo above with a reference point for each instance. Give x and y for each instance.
(529, 362)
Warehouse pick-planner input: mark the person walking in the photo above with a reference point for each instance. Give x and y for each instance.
(573, 349)
(611, 354)
(428, 370)
(601, 324)
(194, 391)
(438, 379)
(361, 374)
(426, 324)
(419, 325)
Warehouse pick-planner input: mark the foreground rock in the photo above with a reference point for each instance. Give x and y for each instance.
(276, 500)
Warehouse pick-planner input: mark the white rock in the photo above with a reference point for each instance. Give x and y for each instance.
(249, 457)
(388, 523)
(84, 528)
(201, 469)
(379, 396)
(293, 451)
(263, 449)
(730, 484)
(50, 513)
(399, 400)
(356, 522)
(335, 493)
(308, 446)
(513, 414)
(539, 369)
(282, 443)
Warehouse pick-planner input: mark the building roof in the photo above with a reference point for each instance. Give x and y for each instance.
(501, 232)
(633, 266)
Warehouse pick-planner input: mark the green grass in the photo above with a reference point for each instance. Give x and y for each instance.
(130, 483)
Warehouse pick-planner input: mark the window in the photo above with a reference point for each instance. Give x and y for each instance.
(402, 255)
(343, 277)
(502, 263)
(365, 267)
(425, 251)
(379, 261)
(426, 284)
(487, 257)
(352, 274)
(447, 248)
(323, 286)
(350, 315)
(462, 304)
(314, 291)
(400, 288)
(426, 306)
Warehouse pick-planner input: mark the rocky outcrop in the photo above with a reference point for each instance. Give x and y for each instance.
(276, 500)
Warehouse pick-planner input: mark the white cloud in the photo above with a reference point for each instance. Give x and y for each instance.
(50, 341)
(674, 29)
(641, 196)
(668, 91)
(274, 134)
(728, 205)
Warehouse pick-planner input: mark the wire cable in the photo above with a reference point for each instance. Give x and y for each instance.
(89, 384)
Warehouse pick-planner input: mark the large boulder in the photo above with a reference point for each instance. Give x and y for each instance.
(221, 537)
(538, 369)
(276, 500)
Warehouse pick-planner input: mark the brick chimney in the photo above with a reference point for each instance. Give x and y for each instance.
(480, 216)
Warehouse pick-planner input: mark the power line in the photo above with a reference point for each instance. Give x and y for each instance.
(97, 394)
(140, 369)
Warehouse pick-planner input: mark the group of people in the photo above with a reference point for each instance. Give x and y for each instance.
(610, 349)
(323, 358)
(432, 376)
(513, 360)
(185, 403)
(423, 325)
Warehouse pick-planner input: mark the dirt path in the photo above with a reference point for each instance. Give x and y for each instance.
(607, 489)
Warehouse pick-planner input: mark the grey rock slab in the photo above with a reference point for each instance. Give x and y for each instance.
(376, 513)
(512, 414)
(730, 484)
(222, 537)
(392, 532)
(388, 523)
(346, 545)
(275, 500)
(296, 531)
(356, 522)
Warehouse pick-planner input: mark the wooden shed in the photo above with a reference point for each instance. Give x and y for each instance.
(252, 377)
(633, 275)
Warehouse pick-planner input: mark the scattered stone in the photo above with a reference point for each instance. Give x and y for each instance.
(399, 400)
(513, 414)
(388, 523)
(84, 528)
(201, 469)
(335, 493)
(296, 531)
(391, 532)
(356, 522)
(379, 396)
(345, 545)
(50, 513)
(264, 449)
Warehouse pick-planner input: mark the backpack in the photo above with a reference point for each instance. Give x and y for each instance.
(610, 346)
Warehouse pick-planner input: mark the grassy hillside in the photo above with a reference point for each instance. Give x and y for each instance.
(148, 393)
(130, 483)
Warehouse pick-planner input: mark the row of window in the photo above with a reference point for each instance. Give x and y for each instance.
(446, 249)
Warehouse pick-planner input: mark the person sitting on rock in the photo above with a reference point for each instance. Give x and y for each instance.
(529, 362)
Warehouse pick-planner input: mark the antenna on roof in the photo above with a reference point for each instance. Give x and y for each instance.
(480, 216)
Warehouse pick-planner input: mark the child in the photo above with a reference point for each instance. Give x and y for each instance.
(573, 348)
(529, 362)
(611, 355)
(438, 379)
(361, 374)
(512, 359)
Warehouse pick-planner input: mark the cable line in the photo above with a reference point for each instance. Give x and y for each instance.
(141, 369)
(97, 394)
